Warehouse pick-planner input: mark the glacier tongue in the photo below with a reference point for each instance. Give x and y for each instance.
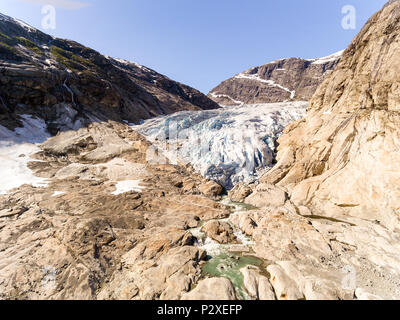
(229, 145)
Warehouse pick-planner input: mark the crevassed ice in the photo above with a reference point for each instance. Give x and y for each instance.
(229, 145)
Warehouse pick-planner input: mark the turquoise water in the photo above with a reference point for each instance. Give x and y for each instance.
(228, 265)
(223, 263)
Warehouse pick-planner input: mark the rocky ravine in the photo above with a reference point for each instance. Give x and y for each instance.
(278, 81)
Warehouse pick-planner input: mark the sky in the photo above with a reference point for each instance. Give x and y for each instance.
(201, 42)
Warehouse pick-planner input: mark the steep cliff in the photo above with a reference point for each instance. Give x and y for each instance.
(343, 158)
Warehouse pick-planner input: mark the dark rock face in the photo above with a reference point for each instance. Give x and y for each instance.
(278, 81)
(46, 76)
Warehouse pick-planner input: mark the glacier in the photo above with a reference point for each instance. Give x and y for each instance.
(228, 145)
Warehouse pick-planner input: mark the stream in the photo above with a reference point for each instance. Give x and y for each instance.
(226, 260)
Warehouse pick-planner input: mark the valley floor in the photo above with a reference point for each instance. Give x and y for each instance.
(110, 225)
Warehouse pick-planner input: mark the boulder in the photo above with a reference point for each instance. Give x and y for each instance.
(219, 231)
(212, 289)
(211, 189)
(240, 192)
(267, 195)
(285, 288)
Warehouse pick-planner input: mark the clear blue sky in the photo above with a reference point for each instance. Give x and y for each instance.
(201, 42)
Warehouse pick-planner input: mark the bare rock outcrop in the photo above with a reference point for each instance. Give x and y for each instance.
(267, 195)
(343, 158)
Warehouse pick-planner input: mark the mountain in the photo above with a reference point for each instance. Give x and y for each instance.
(278, 81)
(68, 84)
(97, 211)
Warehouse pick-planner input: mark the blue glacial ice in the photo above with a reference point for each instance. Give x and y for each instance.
(229, 145)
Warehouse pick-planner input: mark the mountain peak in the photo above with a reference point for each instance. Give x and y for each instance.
(278, 81)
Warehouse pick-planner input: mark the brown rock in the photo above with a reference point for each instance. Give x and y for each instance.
(212, 289)
(343, 158)
(219, 231)
(211, 189)
(240, 192)
(267, 195)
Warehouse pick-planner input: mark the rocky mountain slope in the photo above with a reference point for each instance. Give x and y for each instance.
(343, 157)
(278, 81)
(70, 85)
(331, 203)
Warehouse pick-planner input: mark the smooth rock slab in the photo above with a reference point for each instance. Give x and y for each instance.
(285, 288)
(257, 285)
(267, 195)
(212, 289)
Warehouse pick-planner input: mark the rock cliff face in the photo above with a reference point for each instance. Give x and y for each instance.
(68, 84)
(278, 81)
(343, 158)
(338, 168)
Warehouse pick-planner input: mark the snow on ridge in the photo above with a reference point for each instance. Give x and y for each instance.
(228, 145)
(25, 25)
(327, 59)
(16, 147)
(19, 22)
(272, 83)
(220, 95)
(128, 63)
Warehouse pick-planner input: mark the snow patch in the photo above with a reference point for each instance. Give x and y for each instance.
(129, 63)
(216, 95)
(127, 186)
(58, 193)
(16, 147)
(327, 59)
(256, 77)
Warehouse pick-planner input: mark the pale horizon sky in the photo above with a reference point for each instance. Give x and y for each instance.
(201, 43)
